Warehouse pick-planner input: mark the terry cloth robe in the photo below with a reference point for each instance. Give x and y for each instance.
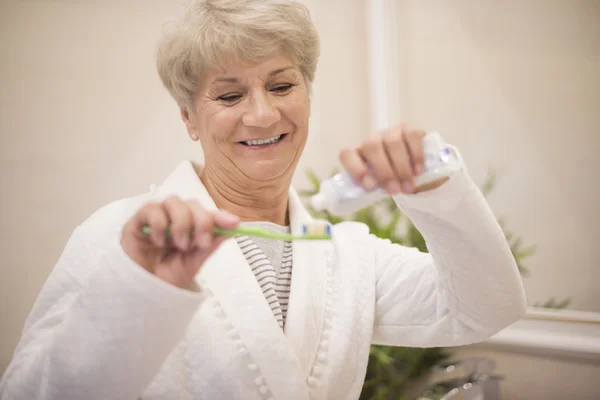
(103, 328)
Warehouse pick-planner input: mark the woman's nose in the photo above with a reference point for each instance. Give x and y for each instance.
(261, 112)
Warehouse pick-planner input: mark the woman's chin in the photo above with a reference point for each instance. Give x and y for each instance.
(267, 170)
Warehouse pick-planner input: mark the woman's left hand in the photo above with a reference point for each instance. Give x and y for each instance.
(390, 159)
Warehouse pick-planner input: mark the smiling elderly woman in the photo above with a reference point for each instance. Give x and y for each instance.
(190, 314)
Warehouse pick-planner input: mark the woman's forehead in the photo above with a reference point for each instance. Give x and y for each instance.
(235, 71)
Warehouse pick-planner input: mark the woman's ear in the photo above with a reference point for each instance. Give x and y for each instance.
(189, 124)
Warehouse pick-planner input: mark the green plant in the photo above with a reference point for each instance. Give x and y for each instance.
(555, 304)
(391, 370)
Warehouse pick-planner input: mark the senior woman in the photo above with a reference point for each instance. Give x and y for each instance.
(193, 315)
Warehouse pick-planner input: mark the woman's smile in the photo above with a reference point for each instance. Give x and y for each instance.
(264, 143)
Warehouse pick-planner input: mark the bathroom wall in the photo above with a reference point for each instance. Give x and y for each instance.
(535, 377)
(84, 121)
(515, 85)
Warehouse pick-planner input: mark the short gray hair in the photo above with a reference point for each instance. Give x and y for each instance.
(212, 31)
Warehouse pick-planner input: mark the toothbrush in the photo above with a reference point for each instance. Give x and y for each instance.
(316, 231)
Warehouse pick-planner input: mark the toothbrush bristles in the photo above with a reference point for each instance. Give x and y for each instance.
(317, 228)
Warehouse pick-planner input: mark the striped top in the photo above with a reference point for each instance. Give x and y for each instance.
(273, 273)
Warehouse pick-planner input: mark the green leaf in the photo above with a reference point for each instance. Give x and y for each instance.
(526, 252)
(380, 354)
(416, 238)
(509, 236)
(388, 230)
(369, 383)
(314, 179)
(307, 193)
(382, 393)
(516, 244)
(391, 205)
(490, 182)
(552, 303)
(522, 270)
(564, 304)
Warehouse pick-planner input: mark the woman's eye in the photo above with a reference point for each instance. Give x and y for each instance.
(230, 98)
(282, 88)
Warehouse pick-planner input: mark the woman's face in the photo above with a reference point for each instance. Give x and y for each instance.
(252, 119)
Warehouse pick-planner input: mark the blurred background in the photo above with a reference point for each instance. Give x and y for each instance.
(515, 85)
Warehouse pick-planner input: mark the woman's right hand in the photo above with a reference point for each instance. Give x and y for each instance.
(174, 258)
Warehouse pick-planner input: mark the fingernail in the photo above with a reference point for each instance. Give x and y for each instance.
(205, 241)
(225, 217)
(369, 183)
(393, 187)
(407, 187)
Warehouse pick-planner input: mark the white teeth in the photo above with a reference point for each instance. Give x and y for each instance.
(263, 141)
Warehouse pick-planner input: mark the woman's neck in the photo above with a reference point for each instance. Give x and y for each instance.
(265, 202)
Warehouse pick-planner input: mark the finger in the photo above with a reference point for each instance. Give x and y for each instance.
(414, 142)
(182, 221)
(203, 226)
(226, 220)
(200, 255)
(397, 152)
(218, 241)
(374, 153)
(154, 217)
(357, 168)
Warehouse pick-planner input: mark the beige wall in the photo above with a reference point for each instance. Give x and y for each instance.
(532, 377)
(84, 121)
(516, 85)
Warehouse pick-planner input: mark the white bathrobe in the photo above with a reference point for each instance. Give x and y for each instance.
(104, 328)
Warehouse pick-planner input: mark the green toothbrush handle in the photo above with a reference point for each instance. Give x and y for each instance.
(253, 231)
(225, 232)
(243, 230)
(256, 232)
